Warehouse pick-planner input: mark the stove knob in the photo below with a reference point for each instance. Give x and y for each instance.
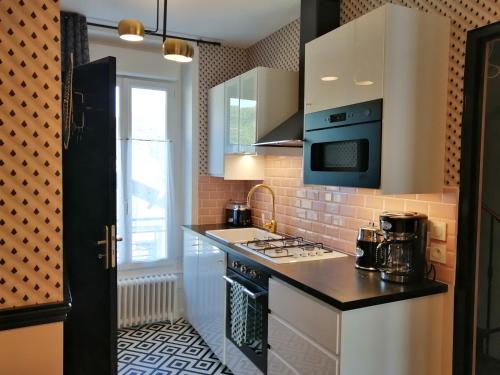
(253, 274)
(244, 269)
(236, 264)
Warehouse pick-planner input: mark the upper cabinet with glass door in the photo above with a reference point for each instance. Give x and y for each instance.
(232, 115)
(249, 99)
(253, 104)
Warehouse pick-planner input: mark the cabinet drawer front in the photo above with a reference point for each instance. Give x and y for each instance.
(275, 366)
(299, 352)
(305, 313)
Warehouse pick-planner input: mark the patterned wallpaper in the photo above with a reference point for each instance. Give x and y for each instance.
(279, 50)
(30, 153)
(217, 64)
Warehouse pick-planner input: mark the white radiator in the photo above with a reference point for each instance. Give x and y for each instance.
(147, 299)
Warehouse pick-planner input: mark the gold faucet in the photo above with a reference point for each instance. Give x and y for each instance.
(272, 225)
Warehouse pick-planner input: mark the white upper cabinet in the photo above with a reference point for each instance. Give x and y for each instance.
(345, 66)
(216, 130)
(355, 62)
(242, 110)
(231, 110)
(247, 131)
(399, 55)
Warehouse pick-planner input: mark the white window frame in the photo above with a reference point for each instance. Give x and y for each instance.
(124, 124)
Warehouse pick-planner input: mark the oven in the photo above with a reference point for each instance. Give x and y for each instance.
(342, 146)
(253, 281)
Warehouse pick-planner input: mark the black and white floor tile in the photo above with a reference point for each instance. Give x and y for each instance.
(165, 349)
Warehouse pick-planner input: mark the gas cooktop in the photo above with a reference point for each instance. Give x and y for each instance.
(286, 249)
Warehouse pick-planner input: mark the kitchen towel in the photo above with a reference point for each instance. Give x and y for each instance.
(239, 302)
(246, 316)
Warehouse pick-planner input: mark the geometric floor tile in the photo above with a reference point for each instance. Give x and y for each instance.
(166, 349)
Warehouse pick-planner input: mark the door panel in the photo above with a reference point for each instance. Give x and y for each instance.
(89, 212)
(248, 112)
(488, 276)
(232, 113)
(190, 266)
(212, 294)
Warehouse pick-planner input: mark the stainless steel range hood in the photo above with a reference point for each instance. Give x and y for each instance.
(317, 17)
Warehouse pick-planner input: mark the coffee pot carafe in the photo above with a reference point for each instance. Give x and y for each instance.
(401, 254)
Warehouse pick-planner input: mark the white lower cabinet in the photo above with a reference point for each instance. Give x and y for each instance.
(277, 366)
(299, 351)
(309, 337)
(205, 290)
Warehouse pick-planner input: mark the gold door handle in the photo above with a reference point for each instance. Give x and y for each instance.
(114, 239)
(104, 242)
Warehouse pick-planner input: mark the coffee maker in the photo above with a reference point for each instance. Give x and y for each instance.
(401, 255)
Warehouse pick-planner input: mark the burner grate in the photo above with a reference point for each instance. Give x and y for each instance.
(281, 247)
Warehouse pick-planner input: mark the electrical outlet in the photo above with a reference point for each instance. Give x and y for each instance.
(438, 230)
(438, 252)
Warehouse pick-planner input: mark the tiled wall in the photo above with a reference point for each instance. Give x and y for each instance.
(332, 215)
(30, 154)
(214, 193)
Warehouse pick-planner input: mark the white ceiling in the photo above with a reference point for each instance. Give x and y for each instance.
(233, 22)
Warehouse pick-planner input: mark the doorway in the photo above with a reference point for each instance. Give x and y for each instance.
(477, 306)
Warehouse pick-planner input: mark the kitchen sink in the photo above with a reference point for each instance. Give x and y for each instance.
(240, 235)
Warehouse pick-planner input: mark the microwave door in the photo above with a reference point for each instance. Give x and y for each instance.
(344, 156)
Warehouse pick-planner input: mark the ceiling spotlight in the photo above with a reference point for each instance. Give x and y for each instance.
(177, 50)
(131, 30)
(363, 83)
(329, 78)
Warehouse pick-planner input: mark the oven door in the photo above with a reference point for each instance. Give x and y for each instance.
(256, 350)
(344, 156)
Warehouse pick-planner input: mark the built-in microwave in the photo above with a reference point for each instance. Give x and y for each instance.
(342, 146)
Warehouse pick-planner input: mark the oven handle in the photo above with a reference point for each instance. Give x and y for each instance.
(245, 290)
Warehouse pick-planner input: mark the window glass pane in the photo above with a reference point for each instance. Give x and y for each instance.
(148, 200)
(148, 113)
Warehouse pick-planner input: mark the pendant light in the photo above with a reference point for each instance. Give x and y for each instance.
(131, 30)
(175, 49)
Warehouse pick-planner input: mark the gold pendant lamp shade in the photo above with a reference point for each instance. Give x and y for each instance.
(131, 30)
(177, 50)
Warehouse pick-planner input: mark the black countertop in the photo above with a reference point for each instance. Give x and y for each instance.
(335, 281)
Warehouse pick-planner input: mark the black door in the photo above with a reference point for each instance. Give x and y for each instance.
(477, 290)
(89, 211)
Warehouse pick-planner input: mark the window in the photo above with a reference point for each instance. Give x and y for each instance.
(144, 167)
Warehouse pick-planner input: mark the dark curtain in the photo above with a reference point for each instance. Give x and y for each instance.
(74, 39)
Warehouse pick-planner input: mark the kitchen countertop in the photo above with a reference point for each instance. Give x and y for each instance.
(334, 281)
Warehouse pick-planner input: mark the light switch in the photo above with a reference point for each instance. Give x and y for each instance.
(438, 252)
(438, 230)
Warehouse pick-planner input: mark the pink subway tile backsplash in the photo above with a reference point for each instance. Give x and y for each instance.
(328, 214)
